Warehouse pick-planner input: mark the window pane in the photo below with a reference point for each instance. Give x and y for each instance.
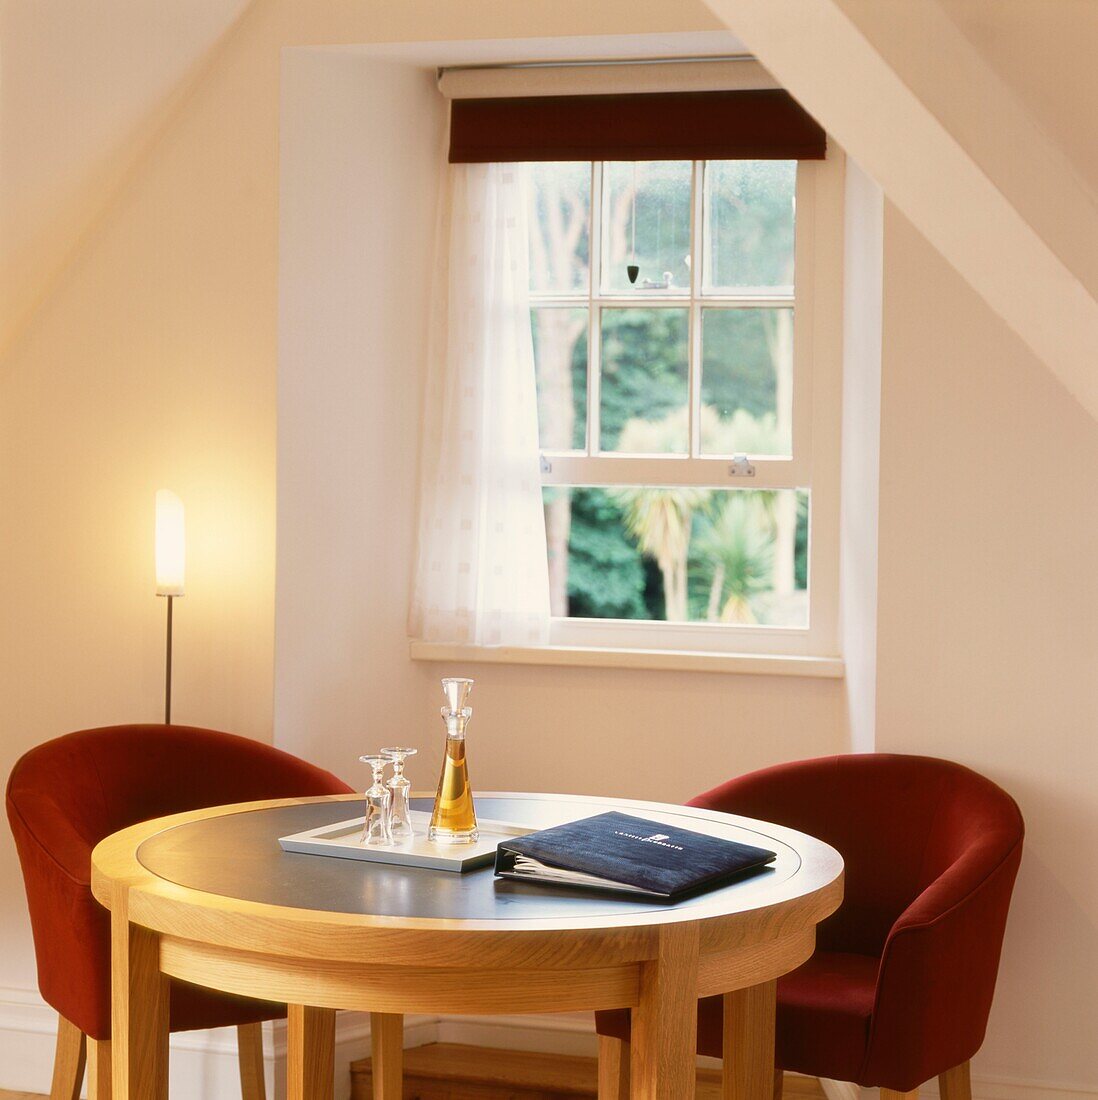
(560, 361)
(644, 385)
(749, 215)
(734, 556)
(559, 227)
(662, 208)
(747, 381)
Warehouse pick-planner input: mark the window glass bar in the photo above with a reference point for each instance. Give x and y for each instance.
(594, 320)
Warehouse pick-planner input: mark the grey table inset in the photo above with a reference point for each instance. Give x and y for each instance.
(210, 898)
(235, 857)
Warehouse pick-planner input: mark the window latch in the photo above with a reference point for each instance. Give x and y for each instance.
(741, 467)
(546, 465)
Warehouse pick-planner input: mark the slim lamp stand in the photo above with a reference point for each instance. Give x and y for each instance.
(168, 670)
(170, 555)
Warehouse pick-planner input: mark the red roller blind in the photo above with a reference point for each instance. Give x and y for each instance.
(744, 125)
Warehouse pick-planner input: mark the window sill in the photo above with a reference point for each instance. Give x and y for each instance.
(826, 668)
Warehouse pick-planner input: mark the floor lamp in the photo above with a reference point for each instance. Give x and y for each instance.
(170, 555)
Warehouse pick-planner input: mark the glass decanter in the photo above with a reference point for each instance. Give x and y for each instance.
(400, 813)
(378, 802)
(454, 820)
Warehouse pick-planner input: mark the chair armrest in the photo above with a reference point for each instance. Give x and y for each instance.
(937, 975)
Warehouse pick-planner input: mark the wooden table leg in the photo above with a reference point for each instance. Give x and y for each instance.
(665, 1022)
(387, 1063)
(139, 1009)
(310, 1053)
(749, 1043)
(613, 1068)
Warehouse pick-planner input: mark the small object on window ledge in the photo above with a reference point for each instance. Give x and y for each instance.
(741, 467)
(632, 270)
(658, 284)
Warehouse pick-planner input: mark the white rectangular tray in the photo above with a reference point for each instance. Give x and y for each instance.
(343, 840)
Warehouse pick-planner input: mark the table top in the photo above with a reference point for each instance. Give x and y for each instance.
(238, 856)
(228, 858)
(210, 898)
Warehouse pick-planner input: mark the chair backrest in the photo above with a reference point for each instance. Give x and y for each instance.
(68, 794)
(899, 822)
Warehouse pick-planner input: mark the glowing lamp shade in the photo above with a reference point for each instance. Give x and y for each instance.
(170, 548)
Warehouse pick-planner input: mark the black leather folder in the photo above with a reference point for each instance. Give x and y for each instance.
(615, 851)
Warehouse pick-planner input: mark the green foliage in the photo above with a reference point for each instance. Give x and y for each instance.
(606, 576)
(800, 548)
(627, 545)
(731, 557)
(737, 370)
(679, 552)
(644, 369)
(750, 207)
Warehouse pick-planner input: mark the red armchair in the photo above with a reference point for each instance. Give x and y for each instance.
(63, 798)
(900, 986)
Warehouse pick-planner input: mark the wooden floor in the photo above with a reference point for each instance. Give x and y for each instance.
(796, 1088)
(447, 1071)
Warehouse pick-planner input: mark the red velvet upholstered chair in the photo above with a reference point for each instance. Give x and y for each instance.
(900, 986)
(67, 795)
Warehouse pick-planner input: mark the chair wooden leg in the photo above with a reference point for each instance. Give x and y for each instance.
(310, 1053)
(892, 1094)
(955, 1083)
(249, 1045)
(68, 1061)
(779, 1083)
(613, 1068)
(99, 1069)
(387, 1054)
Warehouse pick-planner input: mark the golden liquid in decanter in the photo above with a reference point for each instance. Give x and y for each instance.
(454, 818)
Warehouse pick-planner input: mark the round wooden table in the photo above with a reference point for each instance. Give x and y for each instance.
(209, 897)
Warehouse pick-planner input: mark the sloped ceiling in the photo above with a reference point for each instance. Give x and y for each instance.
(954, 142)
(83, 84)
(1045, 53)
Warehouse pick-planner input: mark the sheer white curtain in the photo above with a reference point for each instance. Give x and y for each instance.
(481, 573)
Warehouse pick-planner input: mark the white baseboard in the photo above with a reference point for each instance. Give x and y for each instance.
(204, 1065)
(840, 1090)
(987, 1086)
(984, 1087)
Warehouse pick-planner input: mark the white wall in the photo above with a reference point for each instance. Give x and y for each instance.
(152, 362)
(861, 444)
(64, 153)
(151, 365)
(350, 377)
(988, 628)
(360, 143)
(984, 616)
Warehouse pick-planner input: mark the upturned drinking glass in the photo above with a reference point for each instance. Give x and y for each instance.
(378, 804)
(400, 812)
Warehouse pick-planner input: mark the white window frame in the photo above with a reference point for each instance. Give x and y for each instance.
(814, 465)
